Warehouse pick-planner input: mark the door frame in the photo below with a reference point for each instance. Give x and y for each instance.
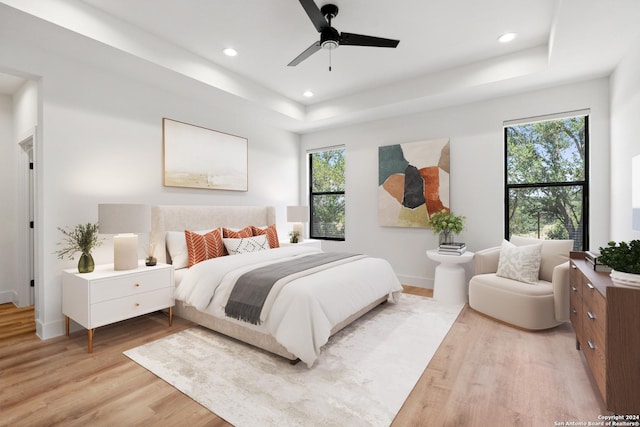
(27, 242)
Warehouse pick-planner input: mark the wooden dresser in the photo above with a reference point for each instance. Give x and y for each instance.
(606, 319)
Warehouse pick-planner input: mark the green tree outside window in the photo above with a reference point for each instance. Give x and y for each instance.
(546, 180)
(327, 195)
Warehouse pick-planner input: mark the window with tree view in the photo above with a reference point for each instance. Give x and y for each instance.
(546, 180)
(326, 194)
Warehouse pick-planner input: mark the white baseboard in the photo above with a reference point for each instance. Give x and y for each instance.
(421, 282)
(50, 330)
(8, 296)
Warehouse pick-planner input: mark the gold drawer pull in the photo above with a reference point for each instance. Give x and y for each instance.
(592, 346)
(137, 305)
(590, 285)
(591, 316)
(137, 285)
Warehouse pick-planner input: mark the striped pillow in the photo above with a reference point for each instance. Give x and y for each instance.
(237, 234)
(203, 247)
(271, 232)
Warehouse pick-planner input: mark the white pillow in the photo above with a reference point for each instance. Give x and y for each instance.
(177, 247)
(246, 245)
(521, 263)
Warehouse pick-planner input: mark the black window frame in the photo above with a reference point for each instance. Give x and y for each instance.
(312, 231)
(584, 183)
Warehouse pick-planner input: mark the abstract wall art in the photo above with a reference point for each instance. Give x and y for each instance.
(198, 157)
(413, 182)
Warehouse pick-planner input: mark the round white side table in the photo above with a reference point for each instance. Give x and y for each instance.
(450, 284)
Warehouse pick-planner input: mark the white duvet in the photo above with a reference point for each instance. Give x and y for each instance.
(307, 308)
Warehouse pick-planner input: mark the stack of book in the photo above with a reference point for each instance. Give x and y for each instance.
(455, 248)
(592, 259)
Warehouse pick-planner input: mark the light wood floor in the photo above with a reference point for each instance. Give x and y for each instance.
(484, 373)
(16, 320)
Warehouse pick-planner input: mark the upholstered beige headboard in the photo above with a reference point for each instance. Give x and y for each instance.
(180, 218)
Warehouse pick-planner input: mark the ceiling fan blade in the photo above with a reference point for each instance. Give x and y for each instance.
(304, 55)
(317, 18)
(350, 39)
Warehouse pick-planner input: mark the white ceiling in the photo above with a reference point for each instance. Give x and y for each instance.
(448, 51)
(434, 35)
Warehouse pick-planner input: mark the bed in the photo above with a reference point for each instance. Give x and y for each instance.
(308, 309)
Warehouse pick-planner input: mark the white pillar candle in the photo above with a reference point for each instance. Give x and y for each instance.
(125, 252)
(298, 227)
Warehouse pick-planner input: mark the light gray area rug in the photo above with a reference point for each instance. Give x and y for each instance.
(362, 377)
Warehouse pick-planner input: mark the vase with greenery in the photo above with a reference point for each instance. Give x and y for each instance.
(151, 260)
(83, 238)
(446, 224)
(622, 257)
(294, 236)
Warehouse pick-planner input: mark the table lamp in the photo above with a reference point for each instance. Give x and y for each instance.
(298, 215)
(124, 220)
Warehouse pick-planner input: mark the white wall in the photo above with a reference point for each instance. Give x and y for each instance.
(625, 142)
(477, 163)
(7, 207)
(100, 140)
(25, 110)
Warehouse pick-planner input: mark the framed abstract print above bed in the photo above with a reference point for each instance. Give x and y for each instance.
(197, 157)
(413, 182)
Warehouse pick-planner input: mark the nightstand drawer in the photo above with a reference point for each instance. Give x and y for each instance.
(117, 287)
(114, 310)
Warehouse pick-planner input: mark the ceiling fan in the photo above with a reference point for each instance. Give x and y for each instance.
(330, 38)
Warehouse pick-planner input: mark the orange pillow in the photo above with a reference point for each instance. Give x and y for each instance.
(237, 234)
(271, 232)
(202, 247)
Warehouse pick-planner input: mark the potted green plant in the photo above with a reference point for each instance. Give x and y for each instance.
(83, 238)
(624, 260)
(446, 224)
(294, 236)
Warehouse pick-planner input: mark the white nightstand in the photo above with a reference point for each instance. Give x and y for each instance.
(308, 242)
(449, 283)
(106, 296)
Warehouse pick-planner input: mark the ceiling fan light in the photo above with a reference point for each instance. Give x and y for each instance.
(330, 44)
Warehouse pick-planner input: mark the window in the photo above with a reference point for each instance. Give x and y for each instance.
(546, 179)
(326, 194)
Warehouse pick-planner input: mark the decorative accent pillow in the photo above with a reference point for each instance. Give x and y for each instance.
(521, 263)
(271, 232)
(177, 247)
(237, 234)
(203, 247)
(246, 245)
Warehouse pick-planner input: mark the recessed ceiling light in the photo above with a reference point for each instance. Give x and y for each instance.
(230, 51)
(308, 93)
(507, 37)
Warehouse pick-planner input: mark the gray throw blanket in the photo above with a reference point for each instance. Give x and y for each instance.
(252, 288)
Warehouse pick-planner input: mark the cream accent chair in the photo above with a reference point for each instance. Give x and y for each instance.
(542, 305)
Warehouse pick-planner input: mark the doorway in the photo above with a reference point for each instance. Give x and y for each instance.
(26, 223)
